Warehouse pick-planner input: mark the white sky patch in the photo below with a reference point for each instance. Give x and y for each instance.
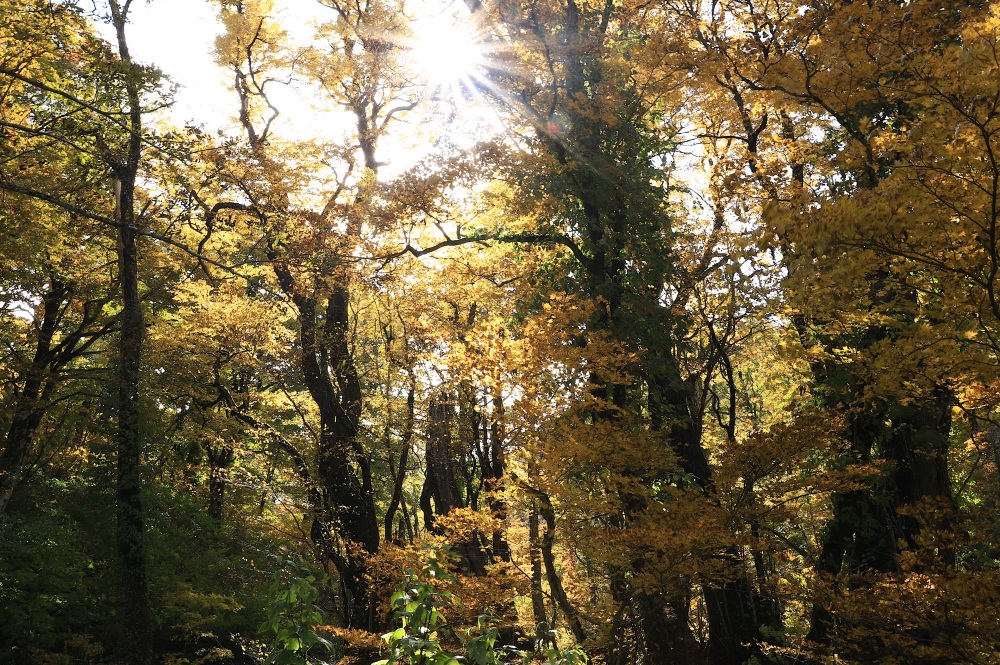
(178, 37)
(21, 309)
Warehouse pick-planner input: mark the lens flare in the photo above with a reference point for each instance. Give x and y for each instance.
(447, 54)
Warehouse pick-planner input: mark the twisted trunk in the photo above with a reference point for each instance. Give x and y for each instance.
(347, 504)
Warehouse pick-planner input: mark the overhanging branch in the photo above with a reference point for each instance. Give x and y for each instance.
(484, 240)
(9, 186)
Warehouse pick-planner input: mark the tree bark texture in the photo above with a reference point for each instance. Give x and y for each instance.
(347, 505)
(135, 618)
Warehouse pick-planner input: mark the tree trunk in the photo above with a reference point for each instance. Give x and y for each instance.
(31, 407)
(400, 474)
(219, 460)
(441, 461)
(135, 617)
(495, 479)
(441, 483)
(732, 605)
(732, 621)
(347, 502)
(549, 561)
(866, 528)
(537, 600)
(27, 417)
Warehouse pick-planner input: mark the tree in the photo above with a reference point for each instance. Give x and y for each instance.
(108, 141)
(604, 139)
(822, 117)
(47, 266)
(309, 267)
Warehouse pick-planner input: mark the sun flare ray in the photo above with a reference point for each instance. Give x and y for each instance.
(448, 54)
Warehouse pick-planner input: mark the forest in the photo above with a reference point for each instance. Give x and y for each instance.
(652, 332)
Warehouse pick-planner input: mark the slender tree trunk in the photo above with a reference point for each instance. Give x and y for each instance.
(549, 562)
(426, 505)
(219, 459)
(535, 556)
(400, 474)
(135, 617)
(497, 477)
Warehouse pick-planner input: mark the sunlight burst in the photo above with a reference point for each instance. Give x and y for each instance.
(448, 54)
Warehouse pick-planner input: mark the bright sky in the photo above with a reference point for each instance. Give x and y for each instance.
(178, 36)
